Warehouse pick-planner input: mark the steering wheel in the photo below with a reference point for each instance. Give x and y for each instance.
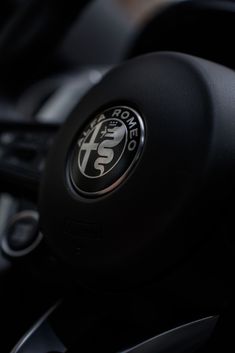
(134, 197)
(139, 173)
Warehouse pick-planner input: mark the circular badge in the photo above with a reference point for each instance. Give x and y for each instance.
(106, 150)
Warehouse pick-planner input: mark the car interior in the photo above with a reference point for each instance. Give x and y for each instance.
(117, 144)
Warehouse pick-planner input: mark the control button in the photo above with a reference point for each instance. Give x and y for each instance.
(22, 235)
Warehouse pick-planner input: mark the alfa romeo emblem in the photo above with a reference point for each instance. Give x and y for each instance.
(106, 150)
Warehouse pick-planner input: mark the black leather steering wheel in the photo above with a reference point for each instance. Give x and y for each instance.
(139, 173)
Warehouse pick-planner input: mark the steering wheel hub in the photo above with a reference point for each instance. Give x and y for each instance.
(143, 157)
